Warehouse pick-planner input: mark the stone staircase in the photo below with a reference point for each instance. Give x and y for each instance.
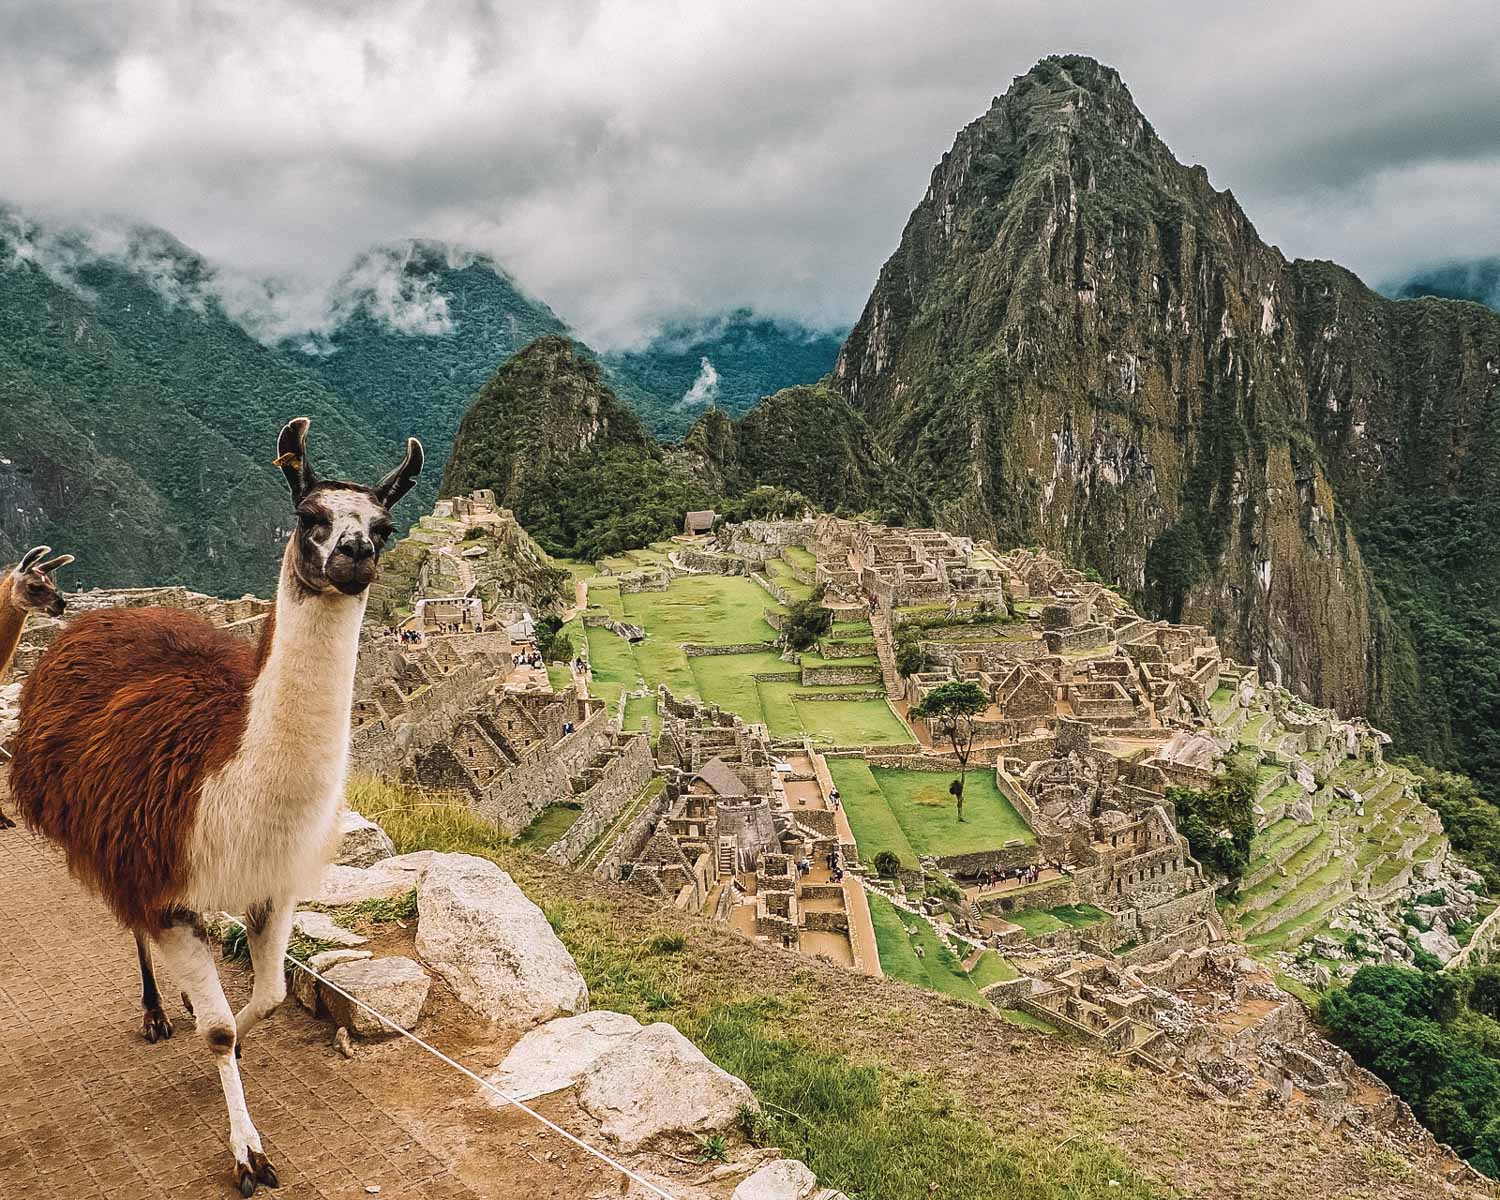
(728, 858)
(885, 651)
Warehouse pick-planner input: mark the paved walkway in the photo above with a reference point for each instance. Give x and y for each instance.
(88, 1109)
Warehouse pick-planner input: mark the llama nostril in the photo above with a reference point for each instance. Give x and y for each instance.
(358, 548)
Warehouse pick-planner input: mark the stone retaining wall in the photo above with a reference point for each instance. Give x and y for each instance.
(695, 650)
(834, 676)
(623, 778)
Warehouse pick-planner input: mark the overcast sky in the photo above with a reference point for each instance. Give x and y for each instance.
(630, 159)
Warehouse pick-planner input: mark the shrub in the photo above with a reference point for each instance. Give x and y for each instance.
(887, 864)
(1219, 822)
(807, 621)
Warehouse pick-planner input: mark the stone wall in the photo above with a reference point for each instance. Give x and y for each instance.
(694, 650)
(545, 774)
(834, 676)
(623, 777)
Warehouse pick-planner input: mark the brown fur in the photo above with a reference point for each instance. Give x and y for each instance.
(125, 715)
(12, 621)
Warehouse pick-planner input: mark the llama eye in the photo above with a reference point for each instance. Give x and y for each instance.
(310, 521)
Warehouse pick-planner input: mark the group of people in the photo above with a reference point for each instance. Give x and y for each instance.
(526, 658)
(408, 637)
(993, 877)
(835, 865)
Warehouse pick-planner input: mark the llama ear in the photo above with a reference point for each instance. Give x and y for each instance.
(56, 564)
(291, 457)
(399, 482)
(31, 558)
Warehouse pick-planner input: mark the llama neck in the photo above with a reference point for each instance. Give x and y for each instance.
(300, 703)
(12, 620)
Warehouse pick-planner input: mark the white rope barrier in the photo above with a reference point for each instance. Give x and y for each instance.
(484, 1083)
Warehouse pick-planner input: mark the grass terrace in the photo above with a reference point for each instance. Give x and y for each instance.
(550, 824)
(715, 610)
(912, 814)
(1036, 921)
(899, 933)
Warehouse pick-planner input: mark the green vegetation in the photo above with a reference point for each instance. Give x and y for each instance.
(1470, 819)
(864, 1121)
(806, 621)
(550, 824)
(991, 969)
(1434, 1038)
(898, 934)
(951, 709)
(720, 610)
(557, 447)
(911, 814)
(1219, 822)
(752, 357)
(1036, 921)
(1438, 565)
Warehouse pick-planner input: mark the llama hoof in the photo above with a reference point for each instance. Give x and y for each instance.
(155, 1026)
(264, 1171)
(6, 822)
(250, 1175)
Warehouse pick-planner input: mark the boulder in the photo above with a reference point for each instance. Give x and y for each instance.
(785, 1179)
(494, 947)
(1302, 811)
(397, 987)
(361, 842)
(657, 1083)
(1439, 944)
(389, 877)
(1306, 780)
(557, 1054)
(304, 987)
(323, 928)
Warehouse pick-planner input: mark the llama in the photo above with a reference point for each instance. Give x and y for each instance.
(28, 587)
(185, 772)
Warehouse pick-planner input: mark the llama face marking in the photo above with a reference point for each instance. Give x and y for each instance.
(32, 587)
(341, 530)
(341, 527)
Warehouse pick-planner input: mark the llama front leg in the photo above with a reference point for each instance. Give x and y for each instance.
(268, 928)
(184, 950)
(154, 1022)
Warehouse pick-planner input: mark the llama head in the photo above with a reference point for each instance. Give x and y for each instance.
(342, 527)
(32, 588)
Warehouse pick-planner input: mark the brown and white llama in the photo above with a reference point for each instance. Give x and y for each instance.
(184, 772)
(27, 588)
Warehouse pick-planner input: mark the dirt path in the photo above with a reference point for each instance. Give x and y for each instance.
(88, 1109)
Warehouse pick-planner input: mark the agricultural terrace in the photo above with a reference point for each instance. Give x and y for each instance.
(719, 610)
(912, 814)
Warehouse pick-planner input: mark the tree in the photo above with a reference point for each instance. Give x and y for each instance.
(911, 659)
(951, 708)
(887, 864)
(807, 621)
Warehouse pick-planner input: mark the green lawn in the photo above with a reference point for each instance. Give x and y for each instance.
(550, 824)
(715, 610)
(613, 662)
(639, 708)
(780, 573)
(1054, 920)
(990, 969)
(916, 804)
(561, 677)
(939, 970)
(800, 556)
(875, 825)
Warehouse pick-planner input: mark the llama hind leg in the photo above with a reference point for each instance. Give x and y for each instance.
(184, 950)
(268, 928)
(154, 1022)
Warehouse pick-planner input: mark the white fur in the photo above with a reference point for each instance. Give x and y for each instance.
(188, 958)
(266, 816)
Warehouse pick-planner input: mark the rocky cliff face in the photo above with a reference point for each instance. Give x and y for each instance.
(1080, 342)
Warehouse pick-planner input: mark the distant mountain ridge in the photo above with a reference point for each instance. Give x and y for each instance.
(140, 383)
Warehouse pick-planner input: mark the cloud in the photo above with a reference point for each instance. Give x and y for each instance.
(636, 160)
(705, 389)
